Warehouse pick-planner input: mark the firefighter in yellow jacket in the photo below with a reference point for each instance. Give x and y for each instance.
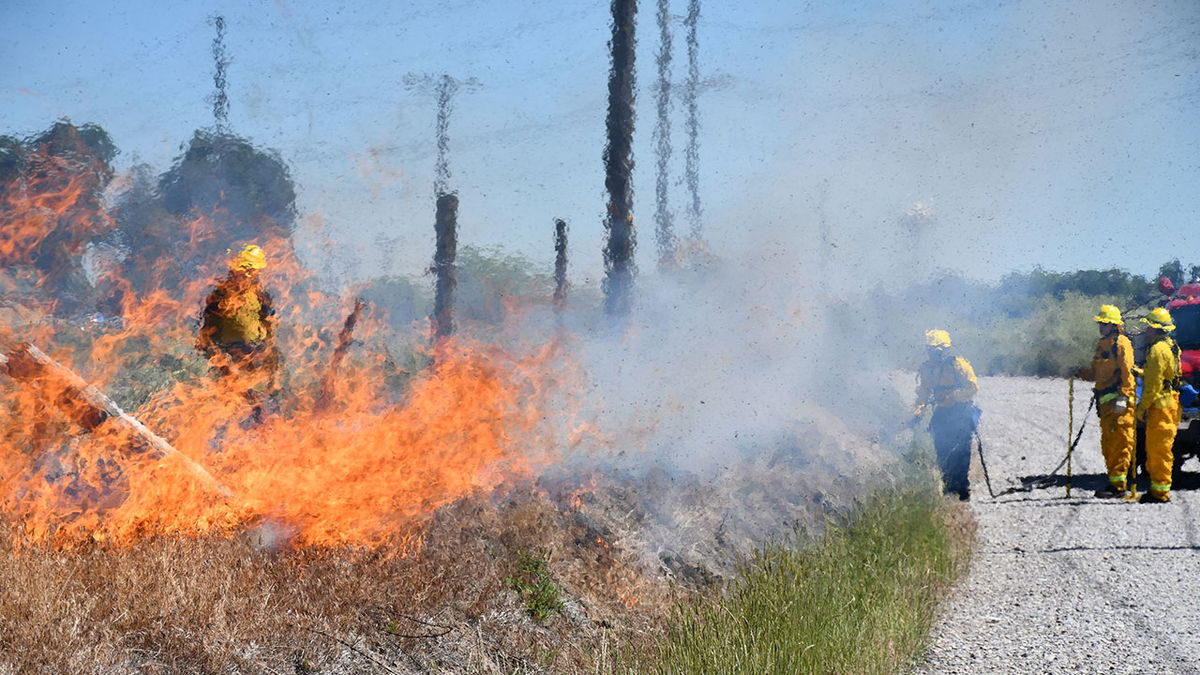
(237, 329)
(1115, 391)
(947, 384)
(1159, 405)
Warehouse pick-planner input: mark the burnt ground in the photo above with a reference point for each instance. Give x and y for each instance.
(1073, 584)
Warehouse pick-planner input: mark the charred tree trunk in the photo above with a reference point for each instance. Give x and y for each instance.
(560, 264)
(618, 161)
(445, 226)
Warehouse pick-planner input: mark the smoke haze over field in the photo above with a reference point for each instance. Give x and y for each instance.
(838, 153)
(418, 450)
(1054, 133)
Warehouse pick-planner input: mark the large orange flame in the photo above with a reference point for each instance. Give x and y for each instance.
(355, 464)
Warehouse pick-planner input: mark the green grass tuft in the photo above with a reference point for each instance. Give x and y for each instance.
(859, 600)
(533, 584)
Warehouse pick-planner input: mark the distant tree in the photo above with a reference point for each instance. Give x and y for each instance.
(12, 161)
(246, 191)
(1018, 293)
(1194, 273)
(51, 206)
(220, 193)
(401, 299)
(492, 281)
(1172, 270)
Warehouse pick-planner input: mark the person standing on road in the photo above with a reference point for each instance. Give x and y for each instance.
(1115, 389)
(1159, 405)
(946, 382)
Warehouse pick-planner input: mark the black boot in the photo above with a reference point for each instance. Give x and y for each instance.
(1112, 492)
(1155, 497)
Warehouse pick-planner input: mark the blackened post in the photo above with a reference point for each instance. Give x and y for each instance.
(560, 263)
(663, 221)
(691, 91)
(618, 162)
(221, 61)
(445, 226)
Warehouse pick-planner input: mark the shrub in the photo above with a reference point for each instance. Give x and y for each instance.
(533, 584)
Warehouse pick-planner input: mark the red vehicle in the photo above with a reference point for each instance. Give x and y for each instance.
(1185, 311)
(1184, 305)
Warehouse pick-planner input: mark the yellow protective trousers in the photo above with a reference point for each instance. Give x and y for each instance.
(1118, 434)
(1161, 426)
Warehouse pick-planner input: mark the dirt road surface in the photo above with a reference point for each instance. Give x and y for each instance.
(1075, 584)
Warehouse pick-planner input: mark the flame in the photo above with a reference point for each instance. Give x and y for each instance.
(336, 459)
(50, 212)
(575, 498)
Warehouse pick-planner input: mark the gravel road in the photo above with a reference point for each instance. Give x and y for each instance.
(1073, 584)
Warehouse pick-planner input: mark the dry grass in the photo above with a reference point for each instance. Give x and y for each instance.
(217, 605)
(624, 550)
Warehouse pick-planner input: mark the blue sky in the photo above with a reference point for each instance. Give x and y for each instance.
(1060, 134)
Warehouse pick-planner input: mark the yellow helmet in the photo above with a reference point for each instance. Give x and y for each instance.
(1109, 314)
(251, 257)
(1159, 318)
(937, 338)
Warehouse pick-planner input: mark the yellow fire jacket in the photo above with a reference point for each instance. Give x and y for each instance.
(1113, 368)
(1160, 378)
(945, 382)
(238, 311)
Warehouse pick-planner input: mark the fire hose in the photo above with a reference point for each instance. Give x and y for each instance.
(986, 477)
(1047, 480)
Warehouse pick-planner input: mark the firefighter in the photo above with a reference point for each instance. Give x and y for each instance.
(1159, 405)
(946, 382)
(1115, 390)
(237, 329)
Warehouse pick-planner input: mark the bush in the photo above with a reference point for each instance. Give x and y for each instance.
(533, 584)
(1056, 339)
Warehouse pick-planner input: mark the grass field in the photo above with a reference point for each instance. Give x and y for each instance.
(860, 600)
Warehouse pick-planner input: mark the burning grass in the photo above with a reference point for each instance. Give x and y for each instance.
(861, 600)
(173, 604)
(464, 513)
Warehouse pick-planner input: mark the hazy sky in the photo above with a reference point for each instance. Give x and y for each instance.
(1062, 133)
